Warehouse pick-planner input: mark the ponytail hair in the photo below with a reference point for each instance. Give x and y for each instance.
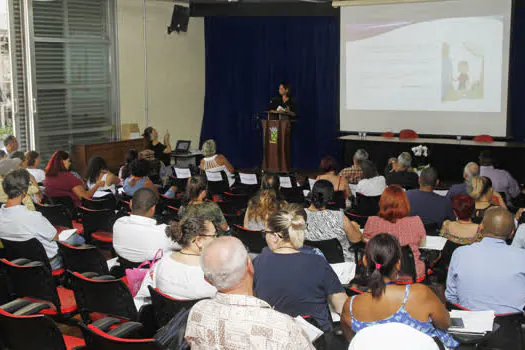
(185, 231)
(383, 252)
(289, 224)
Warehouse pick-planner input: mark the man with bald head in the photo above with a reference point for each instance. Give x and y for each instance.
(489, 275)
(470, 170)
(234, 318)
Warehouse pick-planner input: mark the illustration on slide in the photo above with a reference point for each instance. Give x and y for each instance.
(466, 81)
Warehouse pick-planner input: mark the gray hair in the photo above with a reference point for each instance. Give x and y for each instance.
(405, 160)
(360, 155)
(224, 262)
(470, 174)
(209, 148)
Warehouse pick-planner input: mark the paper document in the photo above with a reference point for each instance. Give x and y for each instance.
(345, 271)
(248, 179)
(214, 176)
(64, 235)
(311, 331)
(434, 243)
(442, 193)
(280, 109)
(306, 193)
(311, 182)
(182, 173)
(285, 182)
(474, 321)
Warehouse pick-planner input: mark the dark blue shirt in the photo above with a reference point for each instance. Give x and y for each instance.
(430, 207)
(296, 284)
(457, 189)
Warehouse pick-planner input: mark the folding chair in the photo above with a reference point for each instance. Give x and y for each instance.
(32, 250)
(331, 249)
(98, 224)
(83, 259)
(108, 202)
(33, 280)
(21, 328)
(57, 214)
(253, 240)
(103, 296)
(217, 183)
(166, 307)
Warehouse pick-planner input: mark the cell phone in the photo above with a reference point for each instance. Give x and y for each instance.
(456, 322)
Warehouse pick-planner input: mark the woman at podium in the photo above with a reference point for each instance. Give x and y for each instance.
(284, 102)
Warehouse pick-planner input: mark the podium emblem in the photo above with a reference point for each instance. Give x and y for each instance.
(274, 135)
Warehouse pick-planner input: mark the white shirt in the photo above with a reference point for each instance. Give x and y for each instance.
(137, 238)
(38, 174)
(102, 191)
(21, 224)
(392, 336)
(371, 187)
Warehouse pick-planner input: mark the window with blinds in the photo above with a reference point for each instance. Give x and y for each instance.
(72, 85)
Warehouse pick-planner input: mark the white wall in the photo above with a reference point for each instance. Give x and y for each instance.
(175, 70)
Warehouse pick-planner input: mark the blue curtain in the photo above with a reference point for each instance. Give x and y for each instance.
(246, 59)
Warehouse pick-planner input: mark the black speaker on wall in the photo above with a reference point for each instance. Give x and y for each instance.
(179, 19)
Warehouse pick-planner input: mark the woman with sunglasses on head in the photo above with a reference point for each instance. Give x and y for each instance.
(179, 274)
(291, 281)
(413, 305)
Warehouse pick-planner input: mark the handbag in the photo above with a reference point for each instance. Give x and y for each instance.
(136, 275)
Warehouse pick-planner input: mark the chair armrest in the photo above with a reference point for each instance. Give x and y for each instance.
(21, 261)
(105, 323)
(15, 305)
(126, 330)
(105, 278)
(34, 263)
(89, 274)
(32, 309)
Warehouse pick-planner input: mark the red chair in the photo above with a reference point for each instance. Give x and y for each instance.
(408, 134)
(20, 330)
(484, 138)
(98, 224)
(387, 134)
(166, 307)
(33, 281)
(32, 250)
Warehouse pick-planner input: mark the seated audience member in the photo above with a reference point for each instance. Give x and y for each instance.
(259, 208)
(471, 170)
(3, 155)
(293, 282)
(502, 180)
(402, 174)
(179, 274)
(432, 208)
(372, 184)
(489, 275)
(393, 218)
(60, 181)
(8, 165)
(323, 224)
(124, 171)
(354, 174)
(414, 305)
(97, 171)
(519, 236)
(137, 238)
(214, 162)
(18, 223)
(271, 182)
(480, 189)
(10, 145)
(151, 142)
(235, 318)
(32, 161)
(139, 169)
(18, 155)
(194, 203)
(329, 167)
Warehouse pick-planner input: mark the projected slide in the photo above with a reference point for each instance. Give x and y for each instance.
(451, 64)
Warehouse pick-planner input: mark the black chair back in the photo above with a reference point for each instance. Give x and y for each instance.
(253, 240)
(83, 259)
(331, 249)
(432, 229)
(366, 206)
(67, 202)
(166, 307)
(217, 187)
(57, 214)
(108, 202)
(31, 249)
(408, 264)
(29, 332)
(97, 339)
(32, 280)
(110, 297)
(338, 201)
(97, 220)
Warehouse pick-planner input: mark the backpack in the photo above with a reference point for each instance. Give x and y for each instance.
(171, 336)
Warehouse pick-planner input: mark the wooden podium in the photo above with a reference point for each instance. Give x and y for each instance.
(277, 131)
